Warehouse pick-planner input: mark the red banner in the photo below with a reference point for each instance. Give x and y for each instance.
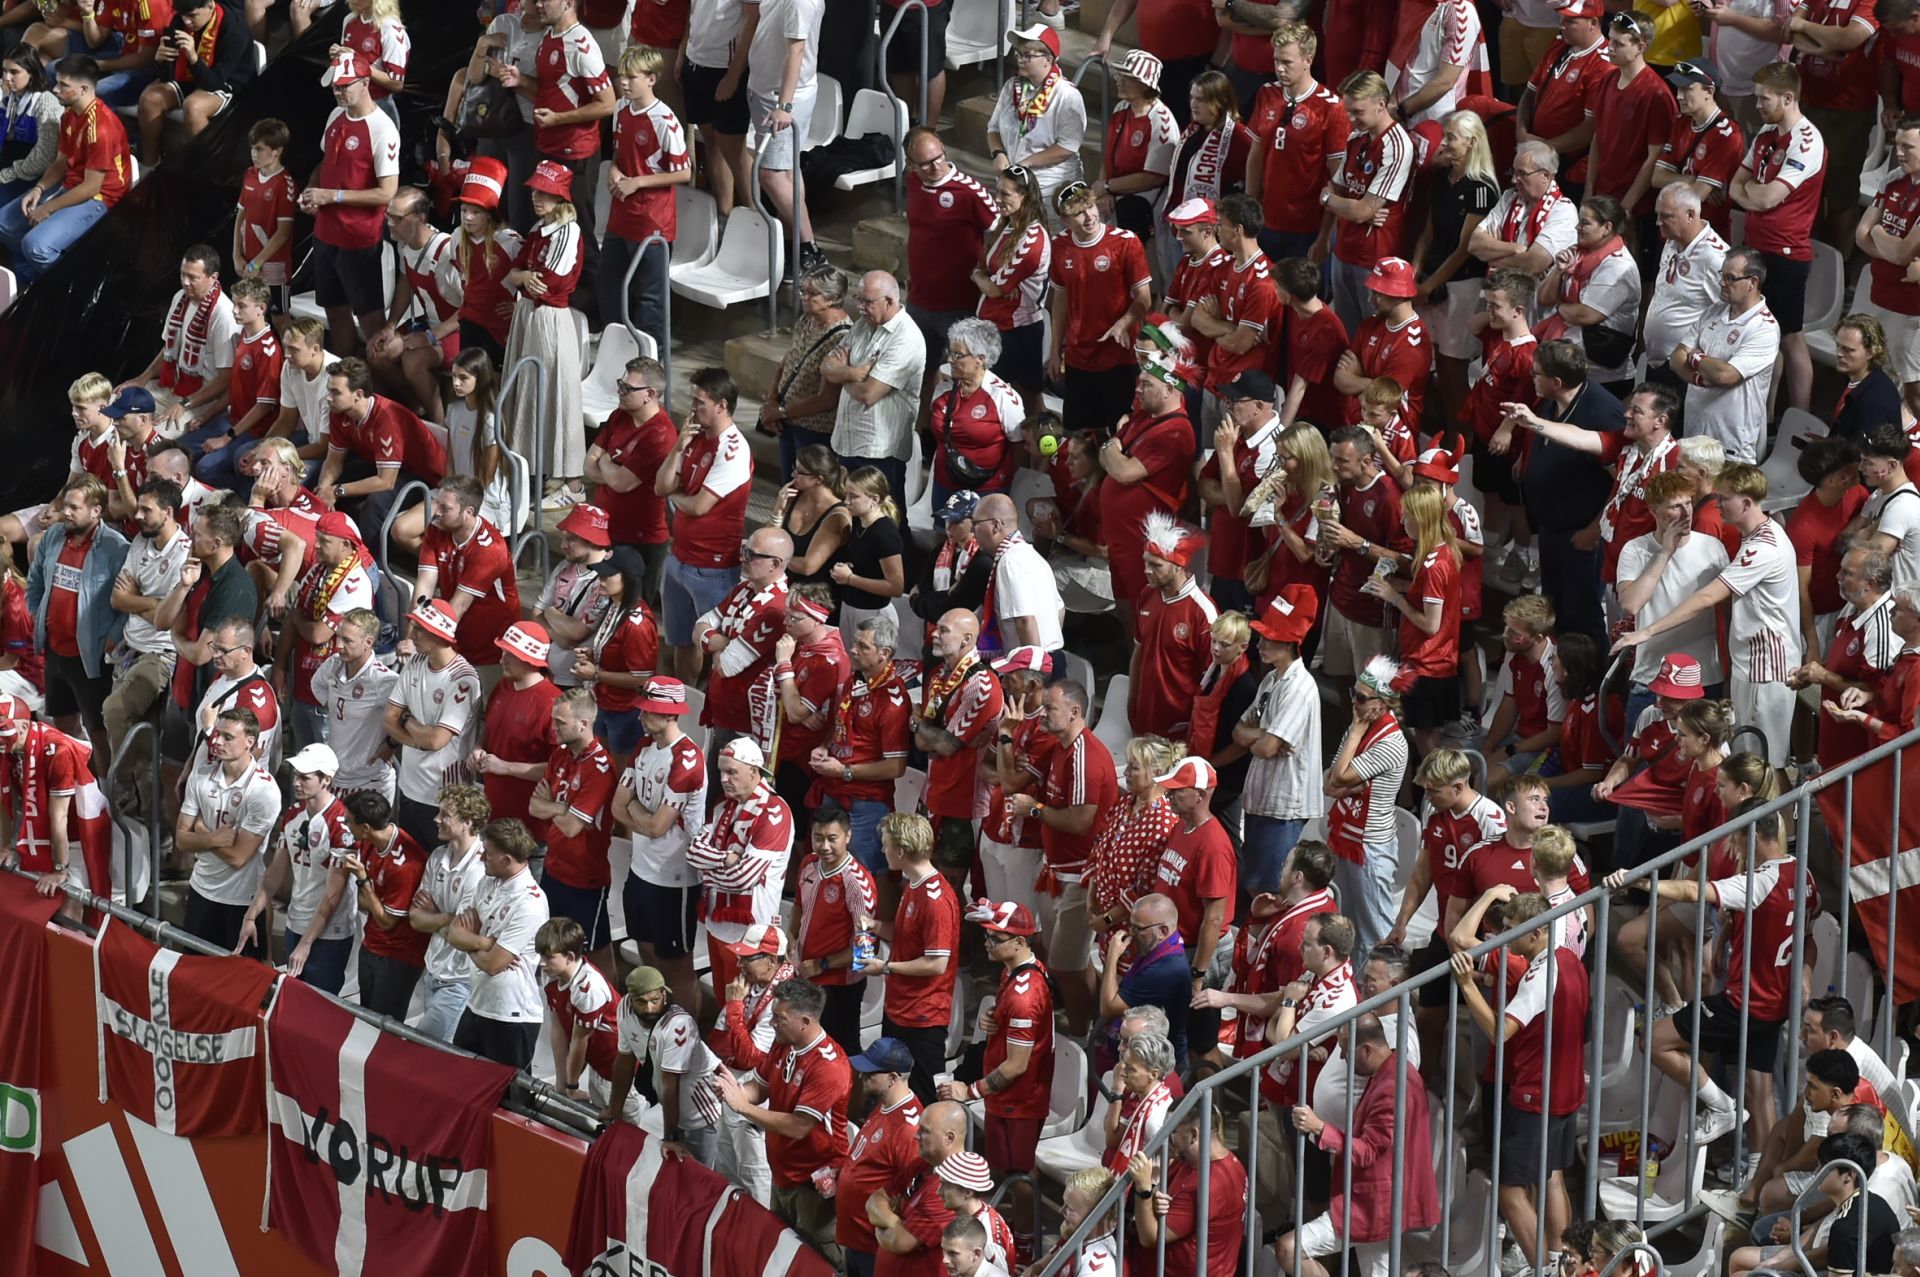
(1883, 861)
(23, 923)
(380, 1148)
(181, 1043)
(641, 1211)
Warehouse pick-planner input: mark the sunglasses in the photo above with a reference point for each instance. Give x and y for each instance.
(1018, 172)
(1625, 24)
(630, 388)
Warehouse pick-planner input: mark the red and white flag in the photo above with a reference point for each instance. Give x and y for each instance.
(640, 1211)
(379, 1147)
(180, 1036)
(23, 956)
(1884, 860)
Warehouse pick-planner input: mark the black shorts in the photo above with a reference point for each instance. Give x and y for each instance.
(1786, 290)
(508, 1042)
(1523, 1137)
(1023, 355)
(219, 925)
(1720, 1027)
(71, 690)
(1431, 702)
(728, 117)
(903, 55)
(1493, 474)
(585, 905)
(662, 918)
(1434, 993)
(348, 277)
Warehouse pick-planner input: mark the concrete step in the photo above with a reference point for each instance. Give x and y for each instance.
(752, 359)
(880, 243)
(969, 128)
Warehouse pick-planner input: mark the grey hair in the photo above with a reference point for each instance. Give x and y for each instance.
(1153, 1050)
(1542, 155)
(885, 631)
(976, 337)
(1906, 1246)
(1876, 565)
(1863, 1120)
(827, 281)
(1704, 451)
(889, 286)
(1680, 195)
(1908, 596)
(1615, 1235)
(1153, 1018)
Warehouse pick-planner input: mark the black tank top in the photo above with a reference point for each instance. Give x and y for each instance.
(803, 542)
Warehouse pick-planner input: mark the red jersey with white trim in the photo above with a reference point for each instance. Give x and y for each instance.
(757, 835)
(356, 154)
(1506, 377)
(1195, 279)
(1381, 166)
(814, 1080)
(141, 21)
(1296, 135)
(724, 467)
(555, 252)
(89, 454)
(1436, 655)
(481, 567)
(569, 72)
(1563, 86)
(969, 707)
(1269, 961)
(947, 225)
(820, 671)
(1374, 513)
(1023, 1016)
(1099, 280)
(1627, 122)
(53, 765)
(926, 924)
(1536, 695)
(1798, 157)
(647, 141)
(390, 438)
(94, 139)
(485, 299)
(1248, 299)
(586, 1000)
(752, 621)
(1527, 1087)
(872, 721)
(1401, 352)
(1769, 911)
(265, 203)
(348, 593)
(253, 693)
(394, 872)
(1033, 749)
(582, 784)
(1078, 775)
(1173, 640)
(827, 906)
(385, 46)
(638, 517)
(256, 378)
(887, 1144)
(1019, 268)
(1899, 204)
(1902, 53)
(1141, 143)
(1709, 153)
(1848, 82)
(1626, 515)
(915, 1190)
(1197, 865)
(1500, 861)
(625, 642)
(1448, 838)
(1464, 519)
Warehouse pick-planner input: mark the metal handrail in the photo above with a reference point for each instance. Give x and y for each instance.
(112, 778)
(1641, 1249)
(1800, 1200)
(536, 489)
(773, 225)
(1599, 897)
(1106, 84)
(537, 538)
(1622, 660)
(403, 590)
(539, 1100)
(665, 352)
(893, 99)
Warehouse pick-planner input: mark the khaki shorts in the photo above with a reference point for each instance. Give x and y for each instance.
(1063, 921)
(1346, 647)
(1521, 49)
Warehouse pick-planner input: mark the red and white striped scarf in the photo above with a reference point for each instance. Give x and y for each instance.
(183, 342)
(1531, 221)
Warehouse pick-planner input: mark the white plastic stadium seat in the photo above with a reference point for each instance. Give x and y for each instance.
(826, 113)
(1785, 487)
(742, 271)
(9, 289)
(1114, 729)
(873, 112)
(1061, 1156)
(1820, 340)
(908, 789)
(1080, 670)
(597, 394)
(1067, 1110)
(697, 237)
(1826, 289)
(1029, 485)
(976, 32)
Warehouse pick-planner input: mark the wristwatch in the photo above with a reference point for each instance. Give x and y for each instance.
(787, 107)
(846, 774)
(339, 492)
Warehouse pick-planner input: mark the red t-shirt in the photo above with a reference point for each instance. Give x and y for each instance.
(1563, 87)
(256, 378)
(390, 437)
(1226, 1203)
(814, 1080)
(1627, 121)
(265, 202)
(1374, 513)
(660, 24)
(1506, 377)
(1527, 1086)
(141, 21)
(1500, 861)
(1798, 157)
(481, 567)
(1175, 29)
(1023, 1016)
(1099, 280)
(1581, 744)
(947, 224)
(1899, 207)
(925, 924)
(1173, 641)
(1711, 155)
(888, 1143)
(63, 597)
(633, 647)
(1700, 805)
(1197, 865)
(1296, 137)
(95, 139)
(1402, 353)
(637, 517)
(570, 72)
(394, 873)
(519, 728)
(1383, 167)
(355, 155)
(1193, 280)
(1077, 775)
(1903, 52)
(646, 143)
(871, 722)
(1435, 655)
(820, 672)
(724, 467)
(826, 905)
(917, 1189)
(1314, 344)
(1815, 532)
(1249, 299)
(1845, 83)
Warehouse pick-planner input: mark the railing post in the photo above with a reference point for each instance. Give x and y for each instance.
(893, 99)
(1106, 83)
(1203, 1188)
(1893, 913)
(1746, 997)
(1552, 959)
(536, 494)
(1499, 1090)
(1397, 1211)
(665, 351)
(1596, 1033)
(773, 224)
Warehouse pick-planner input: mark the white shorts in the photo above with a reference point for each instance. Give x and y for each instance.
(33, 520)
(1321, 1237)
(782, 150)
(1903, 339)
(1767, 706)
(1448, 322)
(1009, 872)
(1347, 646)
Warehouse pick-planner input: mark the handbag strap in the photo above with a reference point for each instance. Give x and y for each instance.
(793, 373)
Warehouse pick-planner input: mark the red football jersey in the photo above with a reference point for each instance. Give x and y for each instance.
(519, 728)
(646, 143)
(1500, 861)
(1033, 747)
(1099, 280)
(1798, 157)
(62, 599)
(925, 924)
(1296, 138)
(1436, 655)
(94, 139)
(947, 225)
(1195, 279)
(1448, 838)
(1374, 513)
(638, 517)
(1196, 866)
(1173, 643)
(1709, 154)
(1769, 912)
(1846, 83)
(1563, 86)
(625, 642)
(256, 378)
(140, 21)
(820, 672)
(556, 252)
(1527, 1087)
(266, 202)
(481, 567)
(1249, 299)
(1626, 122)
(390, 437)
(385, 46)
(724, 467)
(753, 622)
(969, 711)
(1314, 344)
(588, 1001)
(583, 784)
(1506, 377)
(1077, 775)
(813, 1080)
(1381, 166)
(827, 905)
(871, 721)
(1402, 353)
(1902, 53)
(394, 871)
(887, 1144)
(1899, 205)
(570, 72)
(355, 155)
(1023, 1016)
(924, 1215)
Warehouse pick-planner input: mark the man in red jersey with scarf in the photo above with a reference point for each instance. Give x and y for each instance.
(963, 703)
(1149, 462)
(59, 816)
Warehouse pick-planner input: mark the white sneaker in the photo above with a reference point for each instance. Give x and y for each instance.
(564, 497)
(1513, 567)
(1710, 1123)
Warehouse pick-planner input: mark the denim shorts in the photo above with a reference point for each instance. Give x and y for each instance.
(688, 593)
(620, 730)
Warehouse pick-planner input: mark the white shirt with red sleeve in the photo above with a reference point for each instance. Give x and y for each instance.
(926, 924)
(434, 271)
(252, 693)
(751, 621)
(386, 46)
(724, 467)
(569, 72)
(647, 141)
(675, 776)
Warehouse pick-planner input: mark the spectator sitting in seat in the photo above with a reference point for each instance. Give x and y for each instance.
(92, 171)
(205, 57)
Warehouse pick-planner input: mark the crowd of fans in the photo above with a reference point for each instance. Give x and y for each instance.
(1353, 342)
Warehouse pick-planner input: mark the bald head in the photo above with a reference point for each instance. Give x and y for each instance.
(955, 634)
(879, 297)
(946, 1117)
(1157, 909)
(994, 520)
(769, 549)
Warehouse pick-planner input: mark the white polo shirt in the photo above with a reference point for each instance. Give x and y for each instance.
(1685, 288)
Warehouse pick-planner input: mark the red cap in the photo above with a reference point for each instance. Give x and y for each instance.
(1679, 677)
(663, 695)
(1189, 773)
(554, 178)
(589, 523)
(1392, 277)
(1009, 916)
(1023, 660)
(437, 617)
(1168, 538)
(527, 640)
(1583, 9)
(1194, 212)
(335, 524)
(346, 68)
(1038, 33)
(485, 183)
(760, 938)
(1290, 616)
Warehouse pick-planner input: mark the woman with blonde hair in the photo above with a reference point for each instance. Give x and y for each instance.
(1295, 495)
(1126, 851)
(1429, 610)
(377, 36)
(872, 571)
(1701, 731)
(1462, 189)
(548, 428)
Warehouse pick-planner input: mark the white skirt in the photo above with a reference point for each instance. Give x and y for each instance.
(547, 335)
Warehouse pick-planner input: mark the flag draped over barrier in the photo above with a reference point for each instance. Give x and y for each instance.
(1883, 860)
(23, 956)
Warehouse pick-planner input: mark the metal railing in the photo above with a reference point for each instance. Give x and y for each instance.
(402, 589)
(531, 521)
(111, 784)
(527, 1095)
(1814, 1189)
(1400, 1000)
(773, 226)
(893, 99)
(665, 346)
(1106, 85)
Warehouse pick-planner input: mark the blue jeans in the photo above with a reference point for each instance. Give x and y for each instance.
(865, 818)
(123, 88)
(307, 723)
(326, 967)
(443, 1004)
(793, 439)
(221, 467)
(647, 299)
(36, 248)
(1266, 842)
(688, 593)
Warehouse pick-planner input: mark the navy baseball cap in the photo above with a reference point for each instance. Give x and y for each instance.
(886, 1055)
(960, 505)
(1248, 385)
(133, 399)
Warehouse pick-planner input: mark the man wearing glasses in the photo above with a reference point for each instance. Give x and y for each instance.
(948, 214)
(880, 371)
(1533, 220)
(637, 436)
(239, 684)
(408, 354)
(742, 632)
(1728, 363)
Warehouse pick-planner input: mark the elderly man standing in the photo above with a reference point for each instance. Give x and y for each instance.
(1157, 976)
(1729, 392)
(880, 371)
(742, 857)
(1533, 222)
(907, 1214)
(962, 707)
(1686, 284)
(1023, 607)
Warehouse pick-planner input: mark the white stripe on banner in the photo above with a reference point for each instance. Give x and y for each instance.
(780, 1263)
(120, 1224)
(1870, 879)
(180, 1189)
(646, 1169)
(350, 1243)
(713, 1226)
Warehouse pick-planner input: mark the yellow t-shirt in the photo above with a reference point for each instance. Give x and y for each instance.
(1676, 32)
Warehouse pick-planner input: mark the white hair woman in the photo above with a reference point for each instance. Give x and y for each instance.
(976, 416)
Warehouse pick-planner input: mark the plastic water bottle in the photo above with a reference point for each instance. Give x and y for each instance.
(865, 948)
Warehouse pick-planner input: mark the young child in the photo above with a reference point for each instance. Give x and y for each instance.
(650, 158)
(1381, 405)
(253, 395)
(263, 228)
(1556, 860)
(585, 1022)
(1531, 713)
